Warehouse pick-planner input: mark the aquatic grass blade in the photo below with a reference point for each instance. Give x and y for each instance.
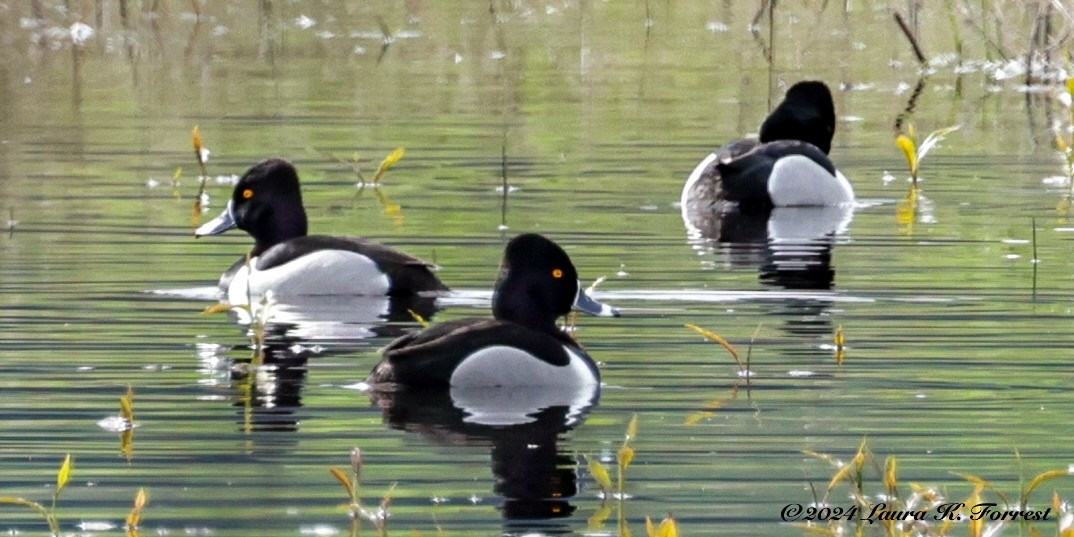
(343, 479)
(1040, 479)
(222, 307)
(626, 456)
(198, 143)
(418, 318)
(976, 525)
(593, 287)
(600, 516)
(891, 474)
(934, 138)
(714, 337)
(668, 528)
(600, 474)
(126, 405)
(200, 153)
(50, 519)
(632, 427)
(391, 160)
(134, 518)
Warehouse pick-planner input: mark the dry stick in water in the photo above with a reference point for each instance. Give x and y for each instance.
(503, 182)
(1036, 260)
(920, 87)
(913, 40)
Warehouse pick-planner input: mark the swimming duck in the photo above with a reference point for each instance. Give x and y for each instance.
(787, 166)
(267, 204)
(520, 346)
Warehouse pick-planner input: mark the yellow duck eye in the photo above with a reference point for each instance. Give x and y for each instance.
(247, 194)
(557, 273)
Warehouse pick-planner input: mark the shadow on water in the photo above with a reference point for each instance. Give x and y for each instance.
(520, 426)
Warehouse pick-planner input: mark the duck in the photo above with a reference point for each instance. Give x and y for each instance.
(786, 166)
(519, 346)
(267, 204)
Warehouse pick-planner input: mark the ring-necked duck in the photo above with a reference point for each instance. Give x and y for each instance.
(521, 346)
(787, 166)
(267, 204)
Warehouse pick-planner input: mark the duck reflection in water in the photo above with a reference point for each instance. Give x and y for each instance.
(270, 395)
(520, 426)
(790, 246)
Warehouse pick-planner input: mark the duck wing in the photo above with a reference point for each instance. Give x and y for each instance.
(708, 188)
(429, 357)
(745, 176)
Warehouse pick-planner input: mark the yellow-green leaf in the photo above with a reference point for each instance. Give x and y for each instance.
(64, 476)
(1041, 478)
(714, 337)
(840, 338)
(387, 163)
(632, 427)
(842, 474)
(980, 482)
(976, 525)
(668, 528)
(821, 456)
(126, 443)
(393, 158)
(890, 473)
(343, 479)
(140, 501)
(600, 474)
(626, 456)
(217, 308)
(1070, 86)
(650, 529)
(840, 356)
(126, 405)
(417, 317)
(600, 516)
(909, 149)
(27, 503)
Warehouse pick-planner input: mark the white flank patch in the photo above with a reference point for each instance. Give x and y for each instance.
(500, 365)
(799, 181)
(325, 272)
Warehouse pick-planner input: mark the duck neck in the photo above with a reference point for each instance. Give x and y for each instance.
(286, 225)
(524, 306)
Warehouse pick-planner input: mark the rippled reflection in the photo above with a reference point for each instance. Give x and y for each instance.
(791, 246)
(521, 427)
